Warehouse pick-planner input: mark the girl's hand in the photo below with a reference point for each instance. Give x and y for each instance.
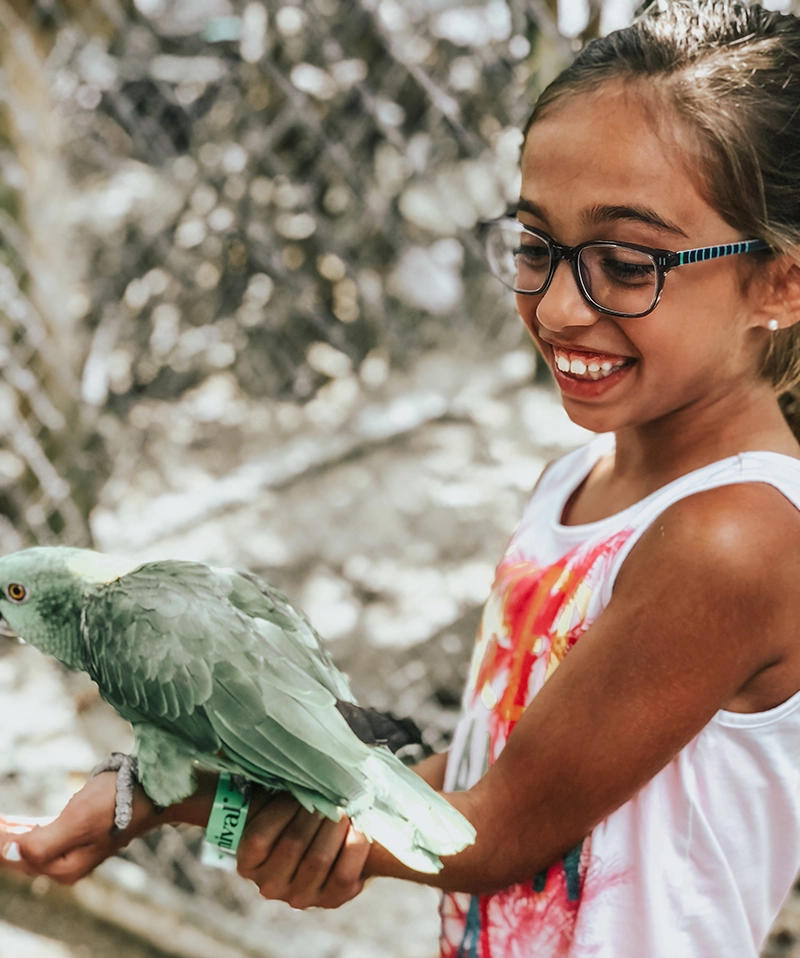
(303, 859)
(11, 827)
(81, 837)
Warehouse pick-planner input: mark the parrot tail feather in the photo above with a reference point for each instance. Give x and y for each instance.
(405, 815)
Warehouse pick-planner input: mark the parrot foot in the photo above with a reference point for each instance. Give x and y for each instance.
(126, 768)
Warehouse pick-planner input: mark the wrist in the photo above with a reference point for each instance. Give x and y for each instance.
(146, 815)
(192, 810)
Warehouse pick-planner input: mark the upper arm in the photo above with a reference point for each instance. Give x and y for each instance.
(697, 610)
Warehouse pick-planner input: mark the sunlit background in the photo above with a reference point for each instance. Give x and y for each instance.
(244, 319)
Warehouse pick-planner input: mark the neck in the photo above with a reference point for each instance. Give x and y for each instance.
(64, 643)
(692, 437)
(62, 640)
(59, 633)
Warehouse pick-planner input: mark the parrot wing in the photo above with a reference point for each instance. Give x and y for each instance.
(225, 664)
(231, 673)
(259, 600)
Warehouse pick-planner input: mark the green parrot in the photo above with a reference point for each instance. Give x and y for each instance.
(214, 669)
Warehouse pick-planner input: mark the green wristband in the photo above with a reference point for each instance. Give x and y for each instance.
(226, 824)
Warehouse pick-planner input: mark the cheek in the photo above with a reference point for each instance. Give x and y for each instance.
(526, 307)
(697, 356)
(711, 296)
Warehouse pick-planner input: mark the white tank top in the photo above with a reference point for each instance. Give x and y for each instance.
(698, 863)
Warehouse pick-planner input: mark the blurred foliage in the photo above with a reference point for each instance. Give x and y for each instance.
(275, 190)
(213, 205)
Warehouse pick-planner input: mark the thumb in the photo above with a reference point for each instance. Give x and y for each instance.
(86, 820)
(42, 844)
(12, 830)
(67, 849)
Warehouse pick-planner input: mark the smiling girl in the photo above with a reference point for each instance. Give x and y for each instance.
(629, 750)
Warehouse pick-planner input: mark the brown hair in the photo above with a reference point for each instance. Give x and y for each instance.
(731, 71)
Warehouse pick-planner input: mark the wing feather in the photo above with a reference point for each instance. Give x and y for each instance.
(223, 662)
(256, 752)
(240, 681)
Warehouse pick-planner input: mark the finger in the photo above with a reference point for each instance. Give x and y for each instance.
(316, 864)
(48, 843)
(290, 848)
(263, 830)
(87, 818)
(76, 864)
(10, 857)
(345, 879)
(43, 845)
(57, 854)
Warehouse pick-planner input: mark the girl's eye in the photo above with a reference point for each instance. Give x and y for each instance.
(628, 271)
(17, 592)
(532, 253)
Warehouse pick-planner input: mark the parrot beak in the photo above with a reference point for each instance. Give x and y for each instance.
(6, 630)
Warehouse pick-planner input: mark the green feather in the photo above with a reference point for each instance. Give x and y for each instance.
(214, 668)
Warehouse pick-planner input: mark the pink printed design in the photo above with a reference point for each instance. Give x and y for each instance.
(516, 923)
(532, 619)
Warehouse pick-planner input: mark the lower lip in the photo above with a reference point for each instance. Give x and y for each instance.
(589, 388)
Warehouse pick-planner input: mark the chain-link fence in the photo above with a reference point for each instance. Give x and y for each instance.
(220, 219)
(280, 192)
(229, 231)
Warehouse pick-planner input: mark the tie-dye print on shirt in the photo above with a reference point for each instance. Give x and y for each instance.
(699, 861)
(535, 614)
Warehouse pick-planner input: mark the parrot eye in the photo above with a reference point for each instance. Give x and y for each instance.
(16, 592)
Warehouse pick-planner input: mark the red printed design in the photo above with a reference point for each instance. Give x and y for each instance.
(532, 619)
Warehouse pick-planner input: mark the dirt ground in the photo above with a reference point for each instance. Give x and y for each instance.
(37, 922)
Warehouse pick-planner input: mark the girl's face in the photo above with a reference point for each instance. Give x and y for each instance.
(594, 168)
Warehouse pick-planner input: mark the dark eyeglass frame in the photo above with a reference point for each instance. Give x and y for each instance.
(663, 259)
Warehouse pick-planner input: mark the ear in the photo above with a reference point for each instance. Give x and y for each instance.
(776, 294)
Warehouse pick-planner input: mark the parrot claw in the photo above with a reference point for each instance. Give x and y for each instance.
(126, 768)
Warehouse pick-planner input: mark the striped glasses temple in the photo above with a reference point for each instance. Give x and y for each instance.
(712, 252)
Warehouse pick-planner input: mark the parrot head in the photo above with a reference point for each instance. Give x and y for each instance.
(42, 592)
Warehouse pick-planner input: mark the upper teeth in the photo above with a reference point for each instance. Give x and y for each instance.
(594, 369)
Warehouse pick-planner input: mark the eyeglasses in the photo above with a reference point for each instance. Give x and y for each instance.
(618, 279)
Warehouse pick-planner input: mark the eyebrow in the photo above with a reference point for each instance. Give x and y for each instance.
(642, 214)
(602, 213)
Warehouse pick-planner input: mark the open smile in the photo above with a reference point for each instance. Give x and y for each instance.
(587, 374)
(588, 365)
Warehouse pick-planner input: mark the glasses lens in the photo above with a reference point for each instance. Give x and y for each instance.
(619, 279)
(521, 260)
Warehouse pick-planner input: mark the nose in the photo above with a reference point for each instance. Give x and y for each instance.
(562, 305)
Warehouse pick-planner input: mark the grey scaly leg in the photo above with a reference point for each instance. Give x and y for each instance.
(126, 769)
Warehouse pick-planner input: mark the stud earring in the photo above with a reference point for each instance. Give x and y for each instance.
(773, 325)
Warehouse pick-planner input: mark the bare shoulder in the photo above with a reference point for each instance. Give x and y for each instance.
(747, 529)
(728, 560)
(698, 615)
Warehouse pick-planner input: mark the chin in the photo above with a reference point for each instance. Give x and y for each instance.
(596, 419)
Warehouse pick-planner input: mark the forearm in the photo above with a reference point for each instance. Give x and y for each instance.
(506, 851)
(195, 809)
(467, 871)
(431, 770)
(479, 868)
(482, 867)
